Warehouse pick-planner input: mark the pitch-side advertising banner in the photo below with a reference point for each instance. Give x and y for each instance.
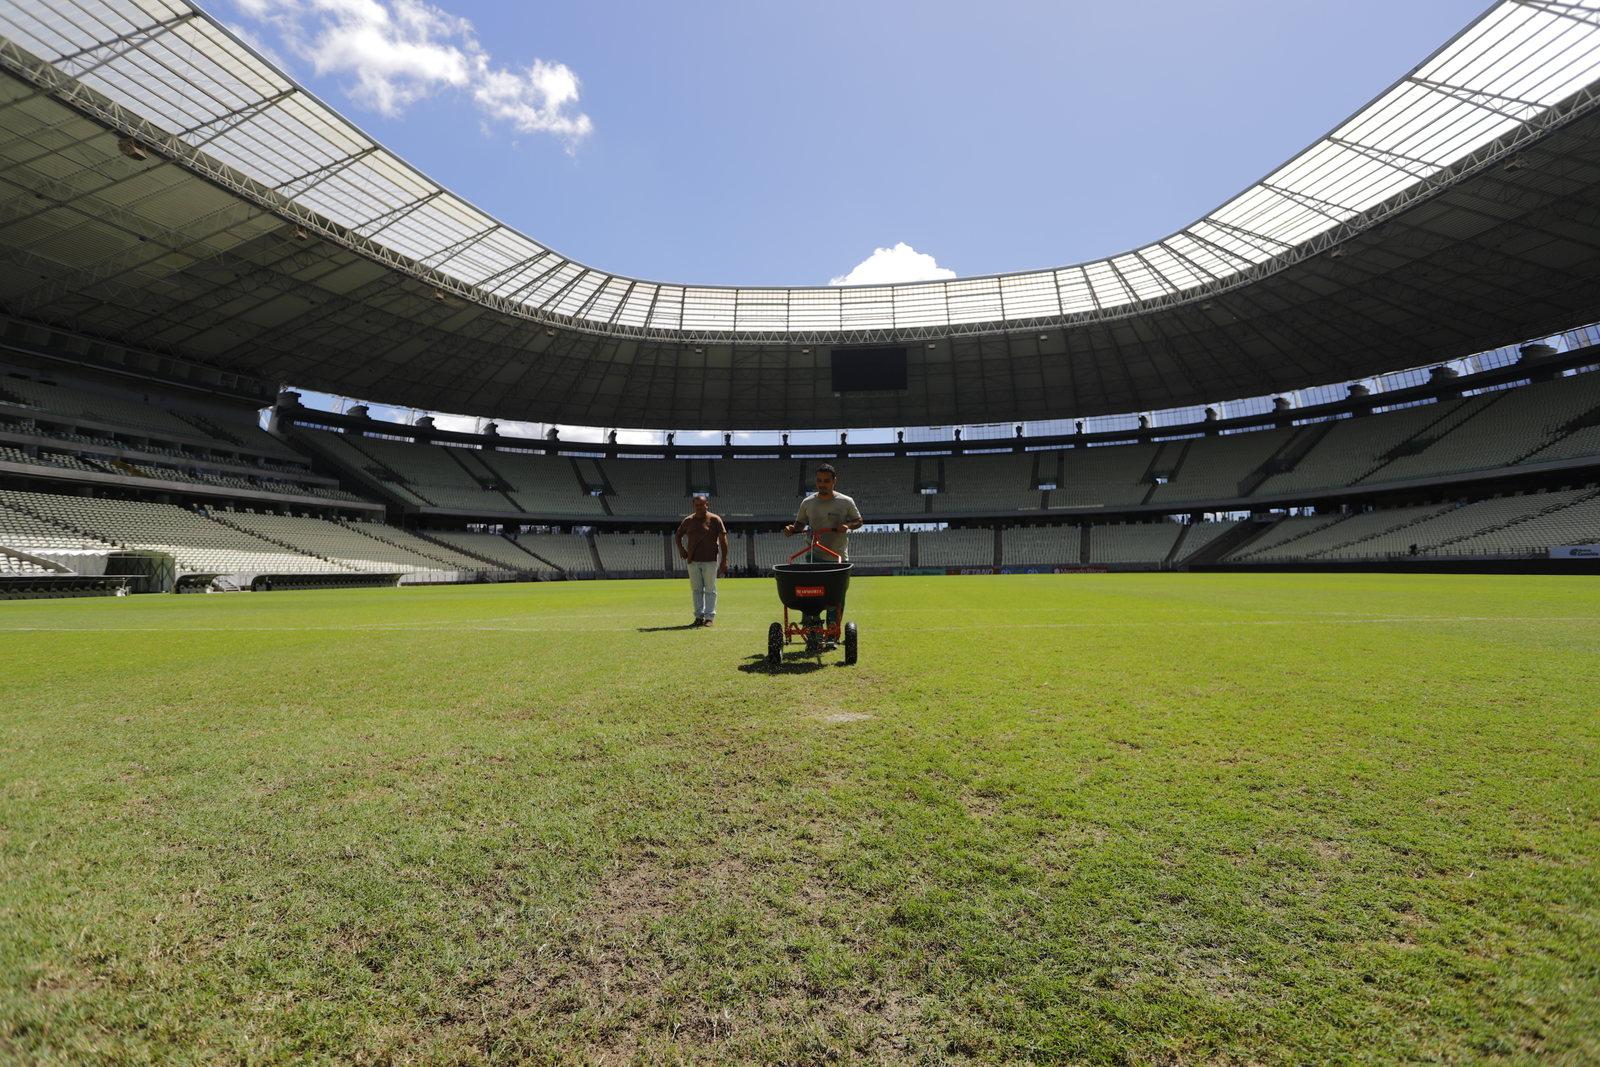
(1575, 552)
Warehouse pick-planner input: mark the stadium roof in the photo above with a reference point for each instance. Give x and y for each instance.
(166, 187)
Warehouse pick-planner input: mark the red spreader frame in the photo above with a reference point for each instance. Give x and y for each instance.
(793, 631)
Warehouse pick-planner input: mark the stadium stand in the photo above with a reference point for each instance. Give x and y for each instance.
(198, 544)
(1132, 543)
(1200, 535)
(645, 488)
(570, 553)
(541, 485)
(494, 549)
(1098, 477)
(1041, 546)
(1506, 427)
(749, 488)
(989, 484)
(882, 487)
(1558, 522)
(1278, 542)
(1437, 534)
(1213, 468)
(955, 548)
(632, 553)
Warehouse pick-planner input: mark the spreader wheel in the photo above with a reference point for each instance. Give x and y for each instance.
(775, 644)
(850, 644)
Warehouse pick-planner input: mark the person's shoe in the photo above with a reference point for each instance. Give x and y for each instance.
(709, 622)
(698, 622)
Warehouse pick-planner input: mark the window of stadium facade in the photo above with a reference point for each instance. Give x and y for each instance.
(1582, 337)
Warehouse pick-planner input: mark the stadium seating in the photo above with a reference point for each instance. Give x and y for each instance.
(1561, 521)
(568, 552)
(1097, 477)
(1125, 543)
(497, 550)
(1200, 536)
(362, 546)
(955, 548)
(751, 488)
(543, 485)
(989, 484)
(632, 553)
(200, 545)
(1279, 541)
(1041, 546)
(29, 532)
(1353, 448)
(1355, 530)
(1436, 535)
(646, 488)
(1212, 468)
(1507, 427)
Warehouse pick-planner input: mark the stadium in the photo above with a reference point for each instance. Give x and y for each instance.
(1227, 607)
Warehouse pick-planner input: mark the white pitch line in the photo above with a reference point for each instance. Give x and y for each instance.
(1383, 620)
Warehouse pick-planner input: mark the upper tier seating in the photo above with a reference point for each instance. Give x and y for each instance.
(753, 488)
(644, 488)
(1510, 425)
(989, 484)
(543, 485)
(1356, 447)
(1213, 467)
(1106, 475)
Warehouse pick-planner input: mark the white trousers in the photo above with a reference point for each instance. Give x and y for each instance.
(703, 588)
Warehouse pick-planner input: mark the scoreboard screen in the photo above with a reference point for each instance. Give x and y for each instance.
(874, 369)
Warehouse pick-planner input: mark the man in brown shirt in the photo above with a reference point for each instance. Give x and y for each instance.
(702, 540)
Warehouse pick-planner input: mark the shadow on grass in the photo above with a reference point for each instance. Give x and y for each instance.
(666, 629)
(793, 663)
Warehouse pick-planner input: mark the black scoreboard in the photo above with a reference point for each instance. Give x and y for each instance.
(869, 369)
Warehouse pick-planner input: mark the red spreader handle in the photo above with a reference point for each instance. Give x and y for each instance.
(816, 544)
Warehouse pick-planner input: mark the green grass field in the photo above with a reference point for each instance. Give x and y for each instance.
(1106, 818)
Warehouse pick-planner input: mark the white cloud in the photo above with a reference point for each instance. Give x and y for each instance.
(902, 263)
(401, 51)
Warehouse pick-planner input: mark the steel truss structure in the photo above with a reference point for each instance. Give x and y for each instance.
(166, 187)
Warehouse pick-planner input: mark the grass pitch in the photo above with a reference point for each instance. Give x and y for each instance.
(1160, 818)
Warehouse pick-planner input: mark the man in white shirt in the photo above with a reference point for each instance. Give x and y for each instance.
(831, 516)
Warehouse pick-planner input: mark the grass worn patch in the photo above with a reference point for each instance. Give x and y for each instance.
(1104, 818)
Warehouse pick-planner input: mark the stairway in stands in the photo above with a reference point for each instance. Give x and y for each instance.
(1225, 544)
(1287, 458)
(299, 550)
(384, 473)
(364, 530)
(1453, 418)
